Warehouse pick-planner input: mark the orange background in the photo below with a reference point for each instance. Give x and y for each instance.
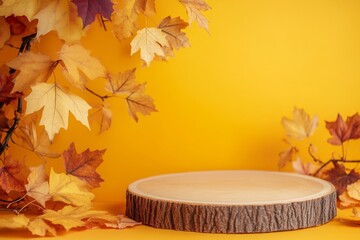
(220, 102)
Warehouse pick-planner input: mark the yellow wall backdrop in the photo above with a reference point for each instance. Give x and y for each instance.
(220, 102)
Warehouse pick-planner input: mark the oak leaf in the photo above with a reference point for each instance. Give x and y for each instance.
(343, 131)
(60, 16)
(83, 165)
(34, 68)
(38, 186)
(27, 8)
(69, 189)
(39, 227)
(172, 28)
(149, 41)
(340, 178)
(70, 217)
(88, 9)
(194, 9)
(104, 116)
(139, 102)
(78, 63)
(121, 83)
(15, 222)
(4, 32)
(13, 175)
(57, 104)
(301, 126)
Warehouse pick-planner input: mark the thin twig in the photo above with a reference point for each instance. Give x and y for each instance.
(333, 161)
(97, 95)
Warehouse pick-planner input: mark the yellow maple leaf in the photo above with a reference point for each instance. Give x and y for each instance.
(4, 32)
(69, 189)
(104, 116)
(301, 126)
(121, 83)
(38, 186)
(39, 227)
(139, 102)
(172, 28)
(20, 7)
(18, 221)
(34, 68)
(70, 217)
(149, 41)
(79, 63)
(194, 9)
(61, 16)
(57, 104)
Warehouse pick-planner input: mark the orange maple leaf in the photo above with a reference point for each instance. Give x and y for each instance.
(343, 131)
(13, 175)
(84, 165)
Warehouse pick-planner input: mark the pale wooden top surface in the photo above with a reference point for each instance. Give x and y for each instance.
(232, 187)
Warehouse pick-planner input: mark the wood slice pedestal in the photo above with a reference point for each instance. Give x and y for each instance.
(231, 201)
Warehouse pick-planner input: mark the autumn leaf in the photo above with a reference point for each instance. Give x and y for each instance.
(15, 222)
(346, 201)
(4, 32)
(343, 131)
(20, 25)
(122, 223)
(6, 86)
(301, 126)
(69, 189)
(88, 9)
(39, 227)
(70, 217)
(172, 28)
(34, 68)
(104, 117)
(78, 63)
(303, 168)
(194, 9)
(60, 16)
(149, 41)
(340, 178)
(138, 102)
(19, 8)
(13, 175)
(121, 83)
(38, 186)
(84, 165)
(57, 104)
(287, 156)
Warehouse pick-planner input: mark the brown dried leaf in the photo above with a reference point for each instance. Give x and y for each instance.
(121, 83)
(84, 165)
(104, 116)
(122, 223)
(343, 131)
(172, 28)
(13, 175)
(20, 25)
(4, 32)
(286, 156)
(6, 86)
(194, 9)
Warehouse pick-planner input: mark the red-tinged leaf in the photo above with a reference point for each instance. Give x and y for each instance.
(340, 178)
(6, 86)
(88, 9)
(84, 165)
(343, 131)
(20, 25)
(13, 175)
(5, 33)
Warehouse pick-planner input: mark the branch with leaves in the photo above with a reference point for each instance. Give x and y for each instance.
(340, 171)
(38, 90)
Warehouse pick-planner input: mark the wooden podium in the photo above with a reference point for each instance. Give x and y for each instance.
(231, 201)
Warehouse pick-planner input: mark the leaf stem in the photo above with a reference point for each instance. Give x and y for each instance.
(97, 95)
(333, 161)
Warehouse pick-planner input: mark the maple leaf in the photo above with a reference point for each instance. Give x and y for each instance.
(57, 104)
(60, 16)
(88, 9)
(172, 28)
(13, 175)
(31, 141)
(139, 102)
(38, 186)
(69, 189)
(104, 116)
(194, 9)
(70, 217)
(343, 131)
(39, 227)
(347, 201)
(121, 83)
(286, 156)
(20, 25)
(340, 178)
(303, 168)
(4, 32)
(149, 41)
(14, 222)
(19, 8)
(301, 126)
(6, 86)
(78, 62)
(84, 165)
(34, 68)
(122, 223)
